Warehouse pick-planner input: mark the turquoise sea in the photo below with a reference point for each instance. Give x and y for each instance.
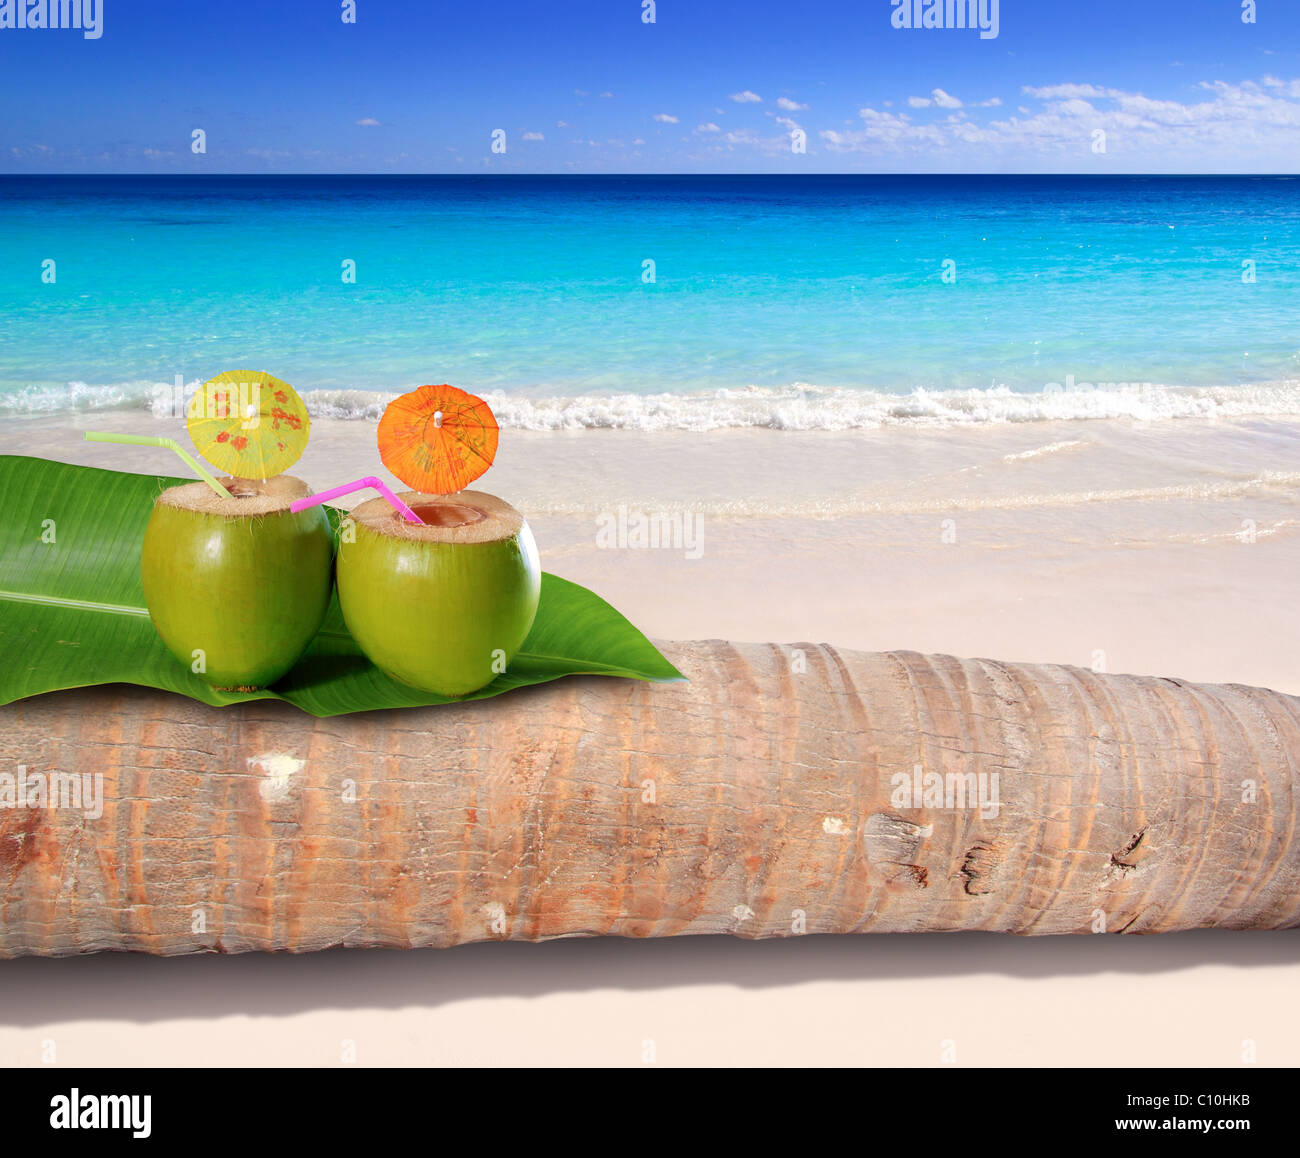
(778, 301)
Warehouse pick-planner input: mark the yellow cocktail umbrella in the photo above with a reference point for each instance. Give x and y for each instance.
(249, 423)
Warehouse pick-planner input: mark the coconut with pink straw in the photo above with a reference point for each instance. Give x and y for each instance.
(438, 585)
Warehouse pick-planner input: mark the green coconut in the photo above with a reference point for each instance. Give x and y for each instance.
(442, 606)
(237, 587)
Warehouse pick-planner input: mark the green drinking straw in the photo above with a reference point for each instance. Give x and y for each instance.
(166, 444)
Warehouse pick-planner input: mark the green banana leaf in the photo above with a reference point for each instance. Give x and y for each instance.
(72, 610)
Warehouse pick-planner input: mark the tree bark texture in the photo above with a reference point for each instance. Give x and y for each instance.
(768, 796)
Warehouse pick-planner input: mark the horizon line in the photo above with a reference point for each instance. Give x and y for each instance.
(617, 176)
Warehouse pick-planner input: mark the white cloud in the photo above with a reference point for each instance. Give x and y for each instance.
(1063, 91)
(666, 119)
(789, 105)
(561, 124)
(709, 127)
(746, 139)
(746, 98)
(47, 151)
(606, 96)
(534, 137)
(883, 129)
(1288, 88)
(938, 98)
(1249, 126)
(367, 121)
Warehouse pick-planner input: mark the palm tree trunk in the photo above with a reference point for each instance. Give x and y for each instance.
(781, 791)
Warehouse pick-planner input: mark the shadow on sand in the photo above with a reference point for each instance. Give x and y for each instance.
(143, 989)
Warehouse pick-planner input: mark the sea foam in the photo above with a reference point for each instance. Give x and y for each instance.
(801, 406)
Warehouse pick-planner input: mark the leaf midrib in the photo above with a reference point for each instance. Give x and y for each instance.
(124, 609)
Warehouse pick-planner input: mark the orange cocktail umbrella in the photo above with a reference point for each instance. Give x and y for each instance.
(438, 439)
(249, 424)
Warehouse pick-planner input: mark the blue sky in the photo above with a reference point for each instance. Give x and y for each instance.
(585, 86)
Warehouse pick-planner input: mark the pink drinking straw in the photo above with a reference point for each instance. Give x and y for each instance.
(361, 484)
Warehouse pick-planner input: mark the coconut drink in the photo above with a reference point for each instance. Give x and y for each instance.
(237, 587)
(438, 586)
(443, 604)
(237, 582)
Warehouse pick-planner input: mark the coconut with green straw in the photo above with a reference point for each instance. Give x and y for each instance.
(237, 584)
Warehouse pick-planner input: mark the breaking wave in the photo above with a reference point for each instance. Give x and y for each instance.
(797, 407)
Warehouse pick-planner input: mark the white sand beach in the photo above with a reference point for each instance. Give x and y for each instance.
(1167, 548)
